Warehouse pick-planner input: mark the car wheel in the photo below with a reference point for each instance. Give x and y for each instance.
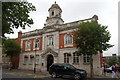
(53, 75)
(77, 76)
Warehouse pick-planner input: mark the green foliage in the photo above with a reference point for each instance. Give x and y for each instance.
(112, 61)
(16, 14)
(92, 37)
(11, 47)
(119, 59)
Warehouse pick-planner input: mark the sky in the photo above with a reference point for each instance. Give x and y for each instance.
(73, 10)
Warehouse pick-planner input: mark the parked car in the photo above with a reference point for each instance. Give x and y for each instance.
(66, 71)
(108, 70)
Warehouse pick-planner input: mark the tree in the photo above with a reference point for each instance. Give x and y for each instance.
(119, 59)
(16, 14)
(11, 48)
(112, 61)
(90, 38)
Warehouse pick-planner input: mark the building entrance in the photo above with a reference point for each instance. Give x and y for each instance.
(49, 61)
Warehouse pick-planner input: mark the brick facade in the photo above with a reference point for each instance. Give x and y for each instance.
(56, 39)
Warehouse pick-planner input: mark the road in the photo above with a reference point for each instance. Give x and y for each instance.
(30, 77)
(22, 74)
(15, 75)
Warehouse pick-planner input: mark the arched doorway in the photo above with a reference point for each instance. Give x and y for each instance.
(49, 61)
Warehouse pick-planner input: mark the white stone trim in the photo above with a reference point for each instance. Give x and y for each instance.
(33, 37)
(70, 44)
(67, 31)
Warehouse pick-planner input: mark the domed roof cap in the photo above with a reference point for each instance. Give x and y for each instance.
(55, 6)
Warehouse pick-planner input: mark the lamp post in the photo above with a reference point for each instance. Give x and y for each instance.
(35, 57)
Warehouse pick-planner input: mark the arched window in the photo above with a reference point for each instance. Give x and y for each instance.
(28, 44)
(25, 59)
(36, 43)
(75, 58)
(68, 40)
(31, 59)
(52, 13)
(66, 58)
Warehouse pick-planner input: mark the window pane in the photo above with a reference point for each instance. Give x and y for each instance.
(28, 43)
(86, 58)
(75, 58)
(36, 44)
(25, 60)
(68, 39)
(66, 58)
(31, 60)
(50, 40)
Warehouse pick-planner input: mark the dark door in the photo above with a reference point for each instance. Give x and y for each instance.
(49, 61)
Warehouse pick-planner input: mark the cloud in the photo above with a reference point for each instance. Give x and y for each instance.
(74, 10)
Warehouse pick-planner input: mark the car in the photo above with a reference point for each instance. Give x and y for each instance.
(108, 70)
(66, 71)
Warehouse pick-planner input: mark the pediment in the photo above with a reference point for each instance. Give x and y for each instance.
(49, 50)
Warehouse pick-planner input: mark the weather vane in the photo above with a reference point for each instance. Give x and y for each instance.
(55, 2)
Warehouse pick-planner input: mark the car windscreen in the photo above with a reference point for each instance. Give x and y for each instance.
(70, 66)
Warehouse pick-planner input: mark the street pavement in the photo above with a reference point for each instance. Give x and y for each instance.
(27, 74)
(16, 73)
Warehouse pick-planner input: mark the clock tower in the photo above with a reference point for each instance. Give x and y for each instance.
(54, 15)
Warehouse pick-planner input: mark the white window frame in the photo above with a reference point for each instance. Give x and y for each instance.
(68, 40)
(31, 61)
(25, 60)
(86, 58)
(75, 58)
(50, 40)
(28, 45)
(36, 43)
(37, 59)
(66, 58)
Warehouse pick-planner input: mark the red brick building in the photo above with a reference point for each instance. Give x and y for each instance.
(54, 44)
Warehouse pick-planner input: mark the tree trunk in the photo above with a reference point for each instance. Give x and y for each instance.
(11, 59)
(91, 66)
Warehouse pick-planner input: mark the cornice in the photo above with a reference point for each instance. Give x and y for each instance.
(56, 27)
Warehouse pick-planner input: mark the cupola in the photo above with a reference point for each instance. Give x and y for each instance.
(54, 15)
